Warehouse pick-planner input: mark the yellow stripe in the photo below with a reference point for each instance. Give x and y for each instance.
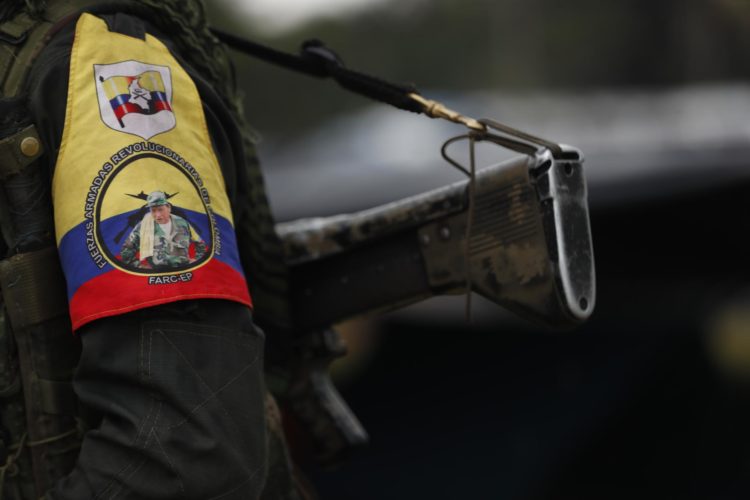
(151, 81)
(116, 85)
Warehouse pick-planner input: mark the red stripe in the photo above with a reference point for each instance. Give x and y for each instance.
(117, 292)
(162, 105)
(124, 109)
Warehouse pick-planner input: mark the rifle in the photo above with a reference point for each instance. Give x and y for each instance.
(518, 234)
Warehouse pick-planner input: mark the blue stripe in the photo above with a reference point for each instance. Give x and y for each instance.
(119, 100)
(79, 267)
(159, 96)
(76, 261)
(230, 255)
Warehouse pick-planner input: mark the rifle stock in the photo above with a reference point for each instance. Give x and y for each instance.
(529, 249)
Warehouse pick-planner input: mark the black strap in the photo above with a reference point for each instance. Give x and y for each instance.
(317, 60)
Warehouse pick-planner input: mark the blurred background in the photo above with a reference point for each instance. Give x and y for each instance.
(650, 398)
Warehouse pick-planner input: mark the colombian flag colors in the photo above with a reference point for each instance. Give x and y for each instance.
(121, 89)
(141, 212)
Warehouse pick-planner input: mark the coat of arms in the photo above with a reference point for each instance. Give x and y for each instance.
(135, 98)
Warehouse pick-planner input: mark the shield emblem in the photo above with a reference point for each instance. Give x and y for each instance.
(135, 97)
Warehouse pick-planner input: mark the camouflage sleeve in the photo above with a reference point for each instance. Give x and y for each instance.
(131, 247)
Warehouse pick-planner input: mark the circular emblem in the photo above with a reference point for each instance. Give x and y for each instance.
(153, 216)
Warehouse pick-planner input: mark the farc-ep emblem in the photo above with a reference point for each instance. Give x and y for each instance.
(135, 98)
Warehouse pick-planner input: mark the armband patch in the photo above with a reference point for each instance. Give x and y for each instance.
(141, 212)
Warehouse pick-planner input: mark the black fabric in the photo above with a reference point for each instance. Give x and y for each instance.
(14, 115)
(127, 25)
(48, 91)
(179, 395)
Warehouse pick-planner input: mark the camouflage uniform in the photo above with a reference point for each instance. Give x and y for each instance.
(170, 250)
